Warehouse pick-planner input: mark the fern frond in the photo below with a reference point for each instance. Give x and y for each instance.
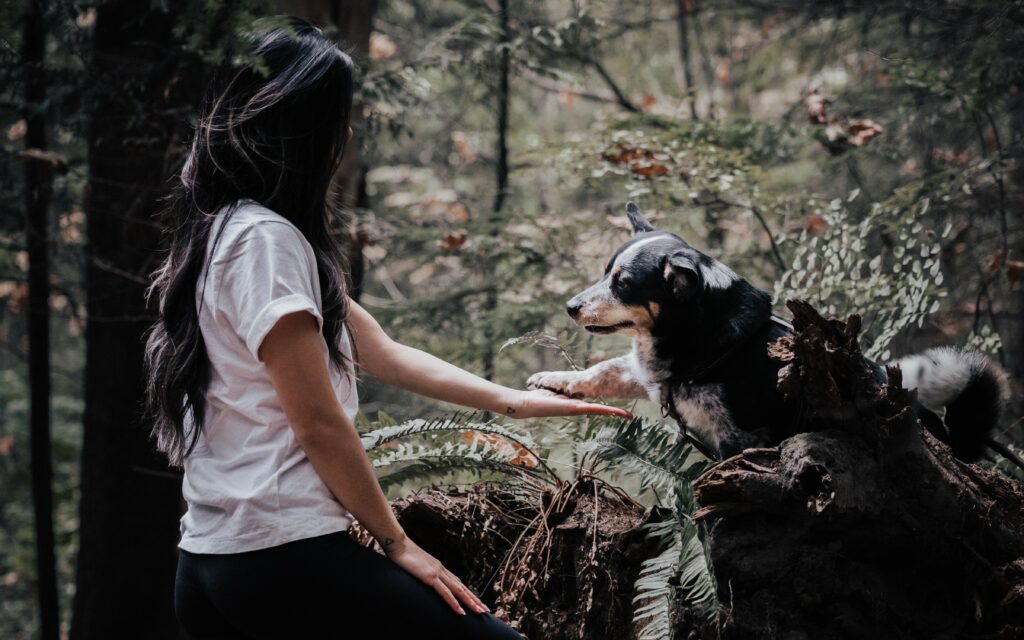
(649, 449)
(459, 422)
(431, 461)
(654, 587)
(431, 470)
(680, 568)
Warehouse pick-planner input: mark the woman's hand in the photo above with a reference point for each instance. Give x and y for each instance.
(408, 555)
(541, 403)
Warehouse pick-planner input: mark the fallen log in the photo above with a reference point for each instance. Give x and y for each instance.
(866, 527)
(559, 565)
(862, 526)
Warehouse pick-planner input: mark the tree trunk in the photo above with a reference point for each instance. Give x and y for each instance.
(689, 84)
(38, 191)
(500, 181)
(130, 501)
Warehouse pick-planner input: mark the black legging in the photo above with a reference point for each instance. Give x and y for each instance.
(323, 587)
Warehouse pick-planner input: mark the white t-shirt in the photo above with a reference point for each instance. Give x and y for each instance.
(248, 483)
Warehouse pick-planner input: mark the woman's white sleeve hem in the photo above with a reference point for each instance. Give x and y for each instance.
(274, 311)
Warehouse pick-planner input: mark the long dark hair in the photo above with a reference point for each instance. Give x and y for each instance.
(272, 127)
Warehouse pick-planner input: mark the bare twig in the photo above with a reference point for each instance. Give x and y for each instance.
(620, 97)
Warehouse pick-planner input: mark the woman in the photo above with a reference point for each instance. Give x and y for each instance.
(251, 376)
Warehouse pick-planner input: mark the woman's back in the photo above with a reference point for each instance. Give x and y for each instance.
(248, 483)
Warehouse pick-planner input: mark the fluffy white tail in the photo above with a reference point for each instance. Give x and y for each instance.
(964, 388)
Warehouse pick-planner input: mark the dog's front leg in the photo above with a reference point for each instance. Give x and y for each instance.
(614, 378)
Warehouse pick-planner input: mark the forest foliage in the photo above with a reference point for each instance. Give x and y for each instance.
(864, 156)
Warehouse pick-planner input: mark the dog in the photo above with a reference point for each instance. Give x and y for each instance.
(700, 349)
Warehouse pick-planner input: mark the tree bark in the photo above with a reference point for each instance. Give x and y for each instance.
(552, 573)
(865, 526)
(689, 84)
(130, 501)
(38, 192)
(500, 179)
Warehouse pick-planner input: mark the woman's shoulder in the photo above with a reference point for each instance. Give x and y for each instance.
(249, 213)
(249, 221)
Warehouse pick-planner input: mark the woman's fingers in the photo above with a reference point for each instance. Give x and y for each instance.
(449, 597)
(463, 593)
(545, 403)
(562, 406)
(590, 408)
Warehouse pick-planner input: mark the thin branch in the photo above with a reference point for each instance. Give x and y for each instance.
(546, 85)
(771, 237)
(776, 252)
(620, 97)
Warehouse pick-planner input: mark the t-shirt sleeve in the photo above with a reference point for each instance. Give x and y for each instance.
(269, 272)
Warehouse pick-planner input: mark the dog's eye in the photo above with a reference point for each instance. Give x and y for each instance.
(620, 281)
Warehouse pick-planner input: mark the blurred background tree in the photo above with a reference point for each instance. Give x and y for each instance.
(863, 155)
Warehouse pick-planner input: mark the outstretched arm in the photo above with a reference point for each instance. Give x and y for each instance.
(414, 370)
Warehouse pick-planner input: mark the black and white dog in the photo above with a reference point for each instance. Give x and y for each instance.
(700, 335)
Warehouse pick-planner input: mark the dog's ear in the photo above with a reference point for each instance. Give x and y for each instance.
(681, 275)
(636, 218)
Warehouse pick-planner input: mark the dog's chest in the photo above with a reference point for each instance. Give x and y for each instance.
(702, 407)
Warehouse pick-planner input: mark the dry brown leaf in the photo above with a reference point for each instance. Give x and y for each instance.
(641, 162)
(815, 224)
(647, 102)
(453, 240)
(995, 263)
(6, 445)
(862, 131)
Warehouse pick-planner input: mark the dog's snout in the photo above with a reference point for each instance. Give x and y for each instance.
(573, 307)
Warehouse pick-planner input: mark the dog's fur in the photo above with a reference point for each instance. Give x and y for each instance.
(700, 335)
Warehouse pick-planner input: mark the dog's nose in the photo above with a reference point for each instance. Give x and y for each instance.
(573, 308)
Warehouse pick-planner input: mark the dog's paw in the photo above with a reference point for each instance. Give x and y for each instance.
(566, 383)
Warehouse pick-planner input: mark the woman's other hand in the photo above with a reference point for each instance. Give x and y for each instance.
(541, 403)
(425, 567)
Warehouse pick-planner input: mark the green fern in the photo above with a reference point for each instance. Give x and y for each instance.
(424, 451)
(426, 461)
(429, 427)
(648, 449)
(426, 470)
(681, 565)
(654, 591)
